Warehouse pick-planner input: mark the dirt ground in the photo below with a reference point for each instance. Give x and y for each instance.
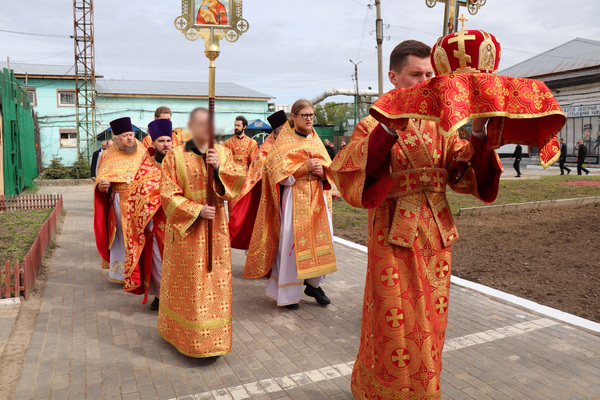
(13, 357)
(549, 256)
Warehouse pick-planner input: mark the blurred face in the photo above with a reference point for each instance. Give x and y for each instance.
(198, 126)
(164, 116)
(562, 141)
(109, 144)
(125, 142)
(239, 127)
(163, 144)
(303, 121)
(104, 145)
(415, 71)
(580, 142)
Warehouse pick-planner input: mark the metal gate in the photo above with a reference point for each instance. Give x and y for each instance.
(18, 136)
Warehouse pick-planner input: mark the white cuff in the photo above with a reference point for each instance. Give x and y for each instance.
(390, 132)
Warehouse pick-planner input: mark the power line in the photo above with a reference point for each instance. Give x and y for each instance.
(43, 58)
(37, 34)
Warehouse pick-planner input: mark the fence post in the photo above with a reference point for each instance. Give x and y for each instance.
(27, 276)
(1, 273)
(7, 279)
(17, 279)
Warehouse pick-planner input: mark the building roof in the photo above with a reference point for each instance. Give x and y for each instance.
(573, 55)
(124, 87)
(121, 87)
(41, 70)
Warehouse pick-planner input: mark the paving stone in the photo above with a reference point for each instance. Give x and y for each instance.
(94, 341)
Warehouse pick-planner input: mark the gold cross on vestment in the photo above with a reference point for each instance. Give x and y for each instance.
(462, 20)
(463, 58)
(128, 177)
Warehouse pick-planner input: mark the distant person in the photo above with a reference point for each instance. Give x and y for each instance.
(517, 155)
(179, 135)
(330, 148)
(343, 144)
(243, 147)
(581, 154)
(563, 158)
(107, 144)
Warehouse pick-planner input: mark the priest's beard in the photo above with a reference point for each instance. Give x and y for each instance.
(159, 157)
(129, 149)
(303, 131)
(238, 132)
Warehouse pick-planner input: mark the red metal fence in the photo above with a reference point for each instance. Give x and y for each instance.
(11, 276)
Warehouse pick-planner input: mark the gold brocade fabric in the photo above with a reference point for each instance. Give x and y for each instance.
(244, 150)
(255, 170)
(410, 256)
(142, 206)
(179, 137)
(195, 305)
(312, 237)
(119, 169)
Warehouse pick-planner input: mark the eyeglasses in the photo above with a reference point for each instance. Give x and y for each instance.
(307, 116)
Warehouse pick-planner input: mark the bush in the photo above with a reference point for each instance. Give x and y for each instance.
(80, 169)
(56, 170)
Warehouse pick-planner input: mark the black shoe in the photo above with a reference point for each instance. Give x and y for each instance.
(155, 304)
(587, 173)
(294, 306)
(318, 294)
(518, 176)
(562, 174)
(568, 172)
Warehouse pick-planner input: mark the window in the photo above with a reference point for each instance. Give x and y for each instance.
(32, 97)
(68, 138)
(66, 98)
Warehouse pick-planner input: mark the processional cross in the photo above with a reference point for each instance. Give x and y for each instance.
(219, 19)
(452, 10)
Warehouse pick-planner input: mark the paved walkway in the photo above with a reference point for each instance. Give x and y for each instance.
(94, 341)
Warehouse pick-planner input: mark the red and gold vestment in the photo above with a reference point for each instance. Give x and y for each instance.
(244, 208)
(143, 207)
(312, 237)
(195, 305)
(119, 169)
(411, 230)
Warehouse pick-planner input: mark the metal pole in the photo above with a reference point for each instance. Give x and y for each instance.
(211, 52)
(356, 92)
(379, 31)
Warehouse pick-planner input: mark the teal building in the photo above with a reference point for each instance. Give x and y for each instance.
(51, 92)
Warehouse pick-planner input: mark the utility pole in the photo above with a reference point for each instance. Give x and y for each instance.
(356, 94)
(379, 33)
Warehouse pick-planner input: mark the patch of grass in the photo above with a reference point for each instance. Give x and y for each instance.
(33, 189)
(345, 216)
(525, 190)
(18, 230)
(352, 223)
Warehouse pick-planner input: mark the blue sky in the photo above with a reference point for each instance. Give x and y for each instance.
(294, 48)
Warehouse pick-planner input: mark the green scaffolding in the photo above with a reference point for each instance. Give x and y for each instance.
(17, 135)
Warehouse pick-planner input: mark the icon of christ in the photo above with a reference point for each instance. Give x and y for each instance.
(211, 12)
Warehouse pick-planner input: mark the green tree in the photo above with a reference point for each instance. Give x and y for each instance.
(56, 170)
(81, 168)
